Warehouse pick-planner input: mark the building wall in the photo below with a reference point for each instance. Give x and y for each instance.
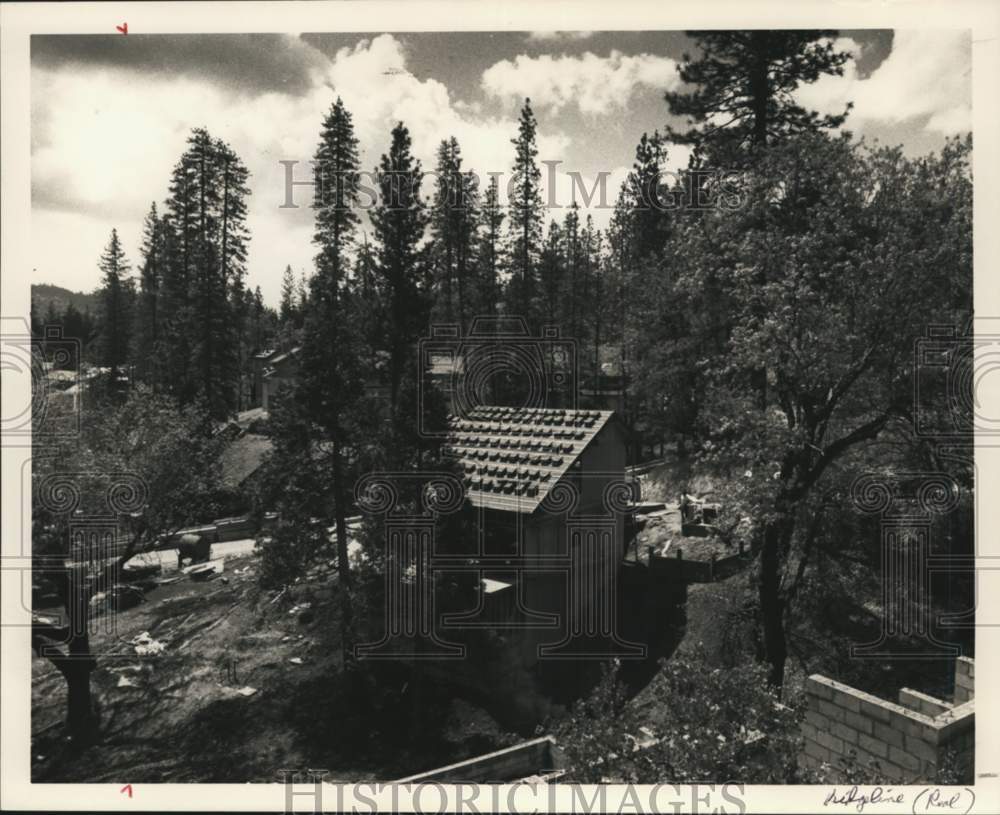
(547, 534)
(910, 741)
(271, 385)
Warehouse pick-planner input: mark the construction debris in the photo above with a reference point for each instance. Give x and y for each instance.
(145, 645)
(205, 571)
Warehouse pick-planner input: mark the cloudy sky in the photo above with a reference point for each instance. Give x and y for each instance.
(110, 115)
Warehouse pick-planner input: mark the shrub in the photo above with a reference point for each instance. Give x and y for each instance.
(692, 722)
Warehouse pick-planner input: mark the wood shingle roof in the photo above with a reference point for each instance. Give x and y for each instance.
(512, 457)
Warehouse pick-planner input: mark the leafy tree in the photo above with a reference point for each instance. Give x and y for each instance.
(835, 266)
(743, 89)
(695, 721)
(151, 462)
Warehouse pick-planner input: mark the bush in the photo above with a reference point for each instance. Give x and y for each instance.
(286, 550)
(692, 722)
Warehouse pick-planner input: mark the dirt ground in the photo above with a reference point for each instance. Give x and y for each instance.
(247, 683)
(663, 484)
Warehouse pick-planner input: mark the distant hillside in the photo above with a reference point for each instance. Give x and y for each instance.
(42, 294)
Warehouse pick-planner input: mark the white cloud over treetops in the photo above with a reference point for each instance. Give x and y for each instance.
(924, 77)
(596, 85)
(105, 138)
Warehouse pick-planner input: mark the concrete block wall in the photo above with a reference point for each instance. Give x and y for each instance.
(922, 703)
(965, 675)
(908, 741)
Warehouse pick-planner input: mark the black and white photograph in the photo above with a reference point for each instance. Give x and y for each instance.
(557, 414)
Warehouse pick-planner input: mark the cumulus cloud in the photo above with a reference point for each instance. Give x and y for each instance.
(596, 85)
(925, 77)
(106, 140)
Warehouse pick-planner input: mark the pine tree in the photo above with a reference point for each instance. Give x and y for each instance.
(37, 331)
(148, 316)
(234, 356)
(490, 255)
(74, 327)
(744, 83)
(551, 268)
(205, 272)
(115, 316)
(258, 312)
(621, 278)
(330, 375)
(573, 292)
(596, 293)
(650, 203)
(399, 221)
(302, 295)
(52, 316)
(453, 225)
(525, 225)
(288, 305)
(370, 310)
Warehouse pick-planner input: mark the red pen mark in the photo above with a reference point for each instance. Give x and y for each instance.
(127, 787)
(124, 29)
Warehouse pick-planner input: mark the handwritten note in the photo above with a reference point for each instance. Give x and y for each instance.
(928, 799)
